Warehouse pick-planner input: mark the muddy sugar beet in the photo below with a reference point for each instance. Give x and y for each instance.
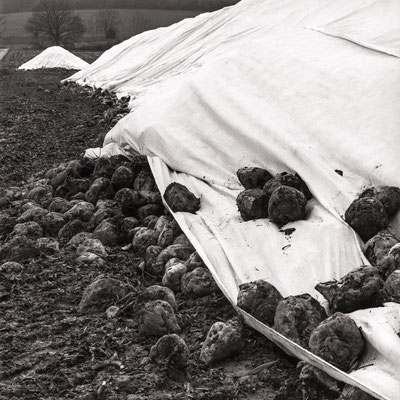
(297, 316)
(260, 299)
(367, 217)
(180, 199)
(358, 289)
(338, 341)
(252, 204)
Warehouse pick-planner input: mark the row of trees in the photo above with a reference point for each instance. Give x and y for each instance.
(55, 22)
(14, 6)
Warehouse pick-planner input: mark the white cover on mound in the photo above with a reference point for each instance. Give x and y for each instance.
(249, 85)
(55, 57)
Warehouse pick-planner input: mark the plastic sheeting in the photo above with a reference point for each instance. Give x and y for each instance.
(249, 85)
(55, 57)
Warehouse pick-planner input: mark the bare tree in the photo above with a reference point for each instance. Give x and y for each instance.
(139, 23)
(108, 21)
(56, 22)
(3, 21)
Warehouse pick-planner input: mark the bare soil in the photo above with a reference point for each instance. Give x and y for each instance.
(50, 351)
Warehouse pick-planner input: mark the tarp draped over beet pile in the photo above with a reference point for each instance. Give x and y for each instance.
(55, 57)
(306, 86)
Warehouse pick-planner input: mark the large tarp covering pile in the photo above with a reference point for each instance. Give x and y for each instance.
(55, 57)
(308, 86)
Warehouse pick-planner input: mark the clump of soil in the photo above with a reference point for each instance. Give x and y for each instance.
(338, 341)
(260, 299)
(357, 290)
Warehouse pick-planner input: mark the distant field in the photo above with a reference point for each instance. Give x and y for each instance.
(132, 22)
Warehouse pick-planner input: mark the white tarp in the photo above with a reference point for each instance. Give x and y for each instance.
(55, 57)
(251, 85)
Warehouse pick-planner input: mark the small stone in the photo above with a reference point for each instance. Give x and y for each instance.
(142, 240)
(122, 178)
(297, 316)
(157, 318)
(367, 217)
(389, 196)
(286, 205)
(223, 341)
(29, 229)
(83, 211)
(100, 294)
(107, 232)
(173, 276)
(378, 246)
(252, 204)
(338, 341)
(101, 189)
(260, 299)
(171, 349)
(180, 199)
(112, 312)
(157, 292)
(48, 245)
(92, 246)
(391, 288)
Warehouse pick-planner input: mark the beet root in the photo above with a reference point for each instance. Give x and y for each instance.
(180, 198)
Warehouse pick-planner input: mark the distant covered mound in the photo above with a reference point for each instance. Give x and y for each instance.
(55, 57)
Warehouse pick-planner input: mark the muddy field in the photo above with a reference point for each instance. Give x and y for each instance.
(50, 351)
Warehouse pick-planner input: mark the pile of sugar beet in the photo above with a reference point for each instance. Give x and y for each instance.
(335, 338)
(89, 207)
